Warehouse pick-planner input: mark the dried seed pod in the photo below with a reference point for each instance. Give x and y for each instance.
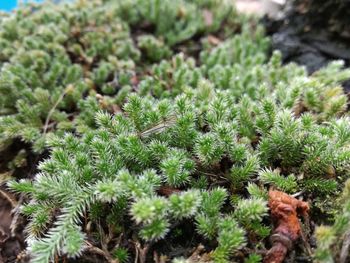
(285, 210)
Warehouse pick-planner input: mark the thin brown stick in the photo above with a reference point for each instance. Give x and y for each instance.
(16, 214)
(136, 253)
(141, 252)
(159, 127)
(344, 253)
(46, 125)
(9, 198)
(95, 250)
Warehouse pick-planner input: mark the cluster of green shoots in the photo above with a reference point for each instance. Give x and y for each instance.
(157, 113)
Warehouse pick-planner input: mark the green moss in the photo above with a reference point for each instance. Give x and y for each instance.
(150, 123)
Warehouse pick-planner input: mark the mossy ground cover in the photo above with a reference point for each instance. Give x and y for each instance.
(154, 130)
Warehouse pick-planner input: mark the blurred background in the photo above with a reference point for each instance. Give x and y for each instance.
(308, 32)
(247, 6)
(8, 5)
(259, 7)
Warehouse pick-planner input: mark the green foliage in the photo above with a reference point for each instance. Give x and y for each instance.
(207, 219)
(154, 49)
(121, 255)
(242, 173)
(147, 128)
(333, 240)
(230, 238)
(253, 258)
(286, 184)
(63, 63)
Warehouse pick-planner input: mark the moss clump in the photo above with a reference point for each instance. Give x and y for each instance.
(60, 64)
(158, 113)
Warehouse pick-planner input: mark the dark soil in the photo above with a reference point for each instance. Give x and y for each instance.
(313, 33)
(11, 230)
(12, 224)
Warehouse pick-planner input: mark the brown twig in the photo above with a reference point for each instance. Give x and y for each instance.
(196, 254)
(9, 198)
(159, 259)
(141, 252)
(95, 250)
(16, 214)
(159, 127)
(61, 97)
(344, 253)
